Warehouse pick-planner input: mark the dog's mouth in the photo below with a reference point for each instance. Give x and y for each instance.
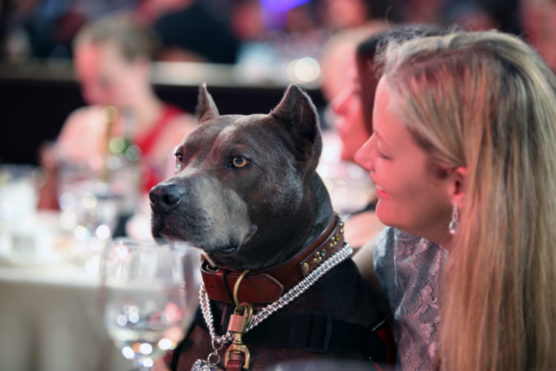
(225, 249)
(164, 231)
(228, 250)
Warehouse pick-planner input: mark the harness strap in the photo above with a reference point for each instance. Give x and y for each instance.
(320, 333)
(313, 332)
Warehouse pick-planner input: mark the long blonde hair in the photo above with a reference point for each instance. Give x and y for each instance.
(486, 101)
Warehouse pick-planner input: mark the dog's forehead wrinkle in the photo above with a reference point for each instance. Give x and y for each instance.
(228, 132)
(235, 127)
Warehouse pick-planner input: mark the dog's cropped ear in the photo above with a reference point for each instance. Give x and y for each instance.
(298, 114)
(206, 108)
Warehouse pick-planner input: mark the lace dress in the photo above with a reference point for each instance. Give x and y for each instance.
(409, 270)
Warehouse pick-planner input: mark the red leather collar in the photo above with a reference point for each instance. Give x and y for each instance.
(267, 287)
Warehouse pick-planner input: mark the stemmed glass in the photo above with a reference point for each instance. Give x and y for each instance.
(148, 296)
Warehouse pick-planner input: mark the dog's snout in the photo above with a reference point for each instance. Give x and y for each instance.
(165, 197)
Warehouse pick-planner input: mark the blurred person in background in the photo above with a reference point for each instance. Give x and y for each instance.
(189, 31)
(346, 14)
(423, 11)
(345, 132)
(538, 18)
(246, 20)
(482, 15)
(113, 65)
(36, 29)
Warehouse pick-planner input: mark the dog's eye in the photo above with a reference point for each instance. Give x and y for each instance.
(179, 161)
(239, 162)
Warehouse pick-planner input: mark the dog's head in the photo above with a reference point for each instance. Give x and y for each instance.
(242, 187)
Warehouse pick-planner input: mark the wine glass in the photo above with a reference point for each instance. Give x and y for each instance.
(148, 296)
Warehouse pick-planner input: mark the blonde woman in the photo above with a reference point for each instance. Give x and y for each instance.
(463, 156)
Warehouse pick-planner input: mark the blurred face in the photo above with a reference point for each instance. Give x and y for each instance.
(106, 77)
(412, 196)
(350, 124)
(346, 13)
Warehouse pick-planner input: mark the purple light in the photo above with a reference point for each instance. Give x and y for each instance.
(281, 6)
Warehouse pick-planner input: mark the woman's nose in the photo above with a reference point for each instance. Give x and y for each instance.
(364, 157)
(338, 104)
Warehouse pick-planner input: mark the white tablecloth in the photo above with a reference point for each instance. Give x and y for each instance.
(50, 320)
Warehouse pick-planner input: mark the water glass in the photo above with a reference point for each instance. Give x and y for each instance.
(149, 293)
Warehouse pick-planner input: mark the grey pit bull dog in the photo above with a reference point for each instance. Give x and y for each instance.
(279, 283)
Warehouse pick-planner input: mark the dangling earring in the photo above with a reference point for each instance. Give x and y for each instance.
(454, 222)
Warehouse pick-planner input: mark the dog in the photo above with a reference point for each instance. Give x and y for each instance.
(247, 193)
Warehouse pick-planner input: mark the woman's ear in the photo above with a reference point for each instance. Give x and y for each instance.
(458, 181)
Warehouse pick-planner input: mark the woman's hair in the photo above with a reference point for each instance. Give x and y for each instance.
(487, 101)
(132, 38)
(367, 66)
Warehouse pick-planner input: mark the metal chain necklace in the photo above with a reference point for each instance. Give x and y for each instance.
(218, 341)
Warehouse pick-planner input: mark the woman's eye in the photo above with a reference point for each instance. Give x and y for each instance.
(381, 154)
(239, 162)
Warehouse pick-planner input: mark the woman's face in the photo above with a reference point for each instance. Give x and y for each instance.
(412, 196)
(106, 78)
(350, 123)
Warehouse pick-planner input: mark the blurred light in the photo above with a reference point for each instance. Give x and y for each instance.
(146, 348)
(133, 153)
(89, 201)
(133, 317)
(121, 320)
(303, 70)
(116, 145)
(113, 162)
(146, 362)
(128, 352)
(67, 201)
(281, 5)
(103, 232)
(133, 313)
(165, 344)
(80, 233)
(135, 347)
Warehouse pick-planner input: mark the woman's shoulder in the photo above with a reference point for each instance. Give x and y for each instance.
(83, 122)
(86, 114)
(394, 244)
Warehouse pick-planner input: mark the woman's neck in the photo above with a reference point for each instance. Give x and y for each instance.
(145, 113)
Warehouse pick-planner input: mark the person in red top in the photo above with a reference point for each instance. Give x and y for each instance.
(113, 64)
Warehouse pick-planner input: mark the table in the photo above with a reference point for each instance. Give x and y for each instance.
(50, 320)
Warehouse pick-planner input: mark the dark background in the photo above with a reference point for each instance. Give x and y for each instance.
(34, 108)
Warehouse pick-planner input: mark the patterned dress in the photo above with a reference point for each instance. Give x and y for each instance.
(409, 270)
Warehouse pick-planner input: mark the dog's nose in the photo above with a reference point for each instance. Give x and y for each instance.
(165, 197)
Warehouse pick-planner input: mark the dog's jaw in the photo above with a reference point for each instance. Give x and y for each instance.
(220, 234)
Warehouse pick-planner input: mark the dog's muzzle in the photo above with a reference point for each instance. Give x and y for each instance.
(165, 197)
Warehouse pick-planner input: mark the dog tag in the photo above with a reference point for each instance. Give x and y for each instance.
(237, 324)
(202, 365)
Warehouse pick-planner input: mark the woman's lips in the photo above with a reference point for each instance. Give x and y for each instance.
(380, 192)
